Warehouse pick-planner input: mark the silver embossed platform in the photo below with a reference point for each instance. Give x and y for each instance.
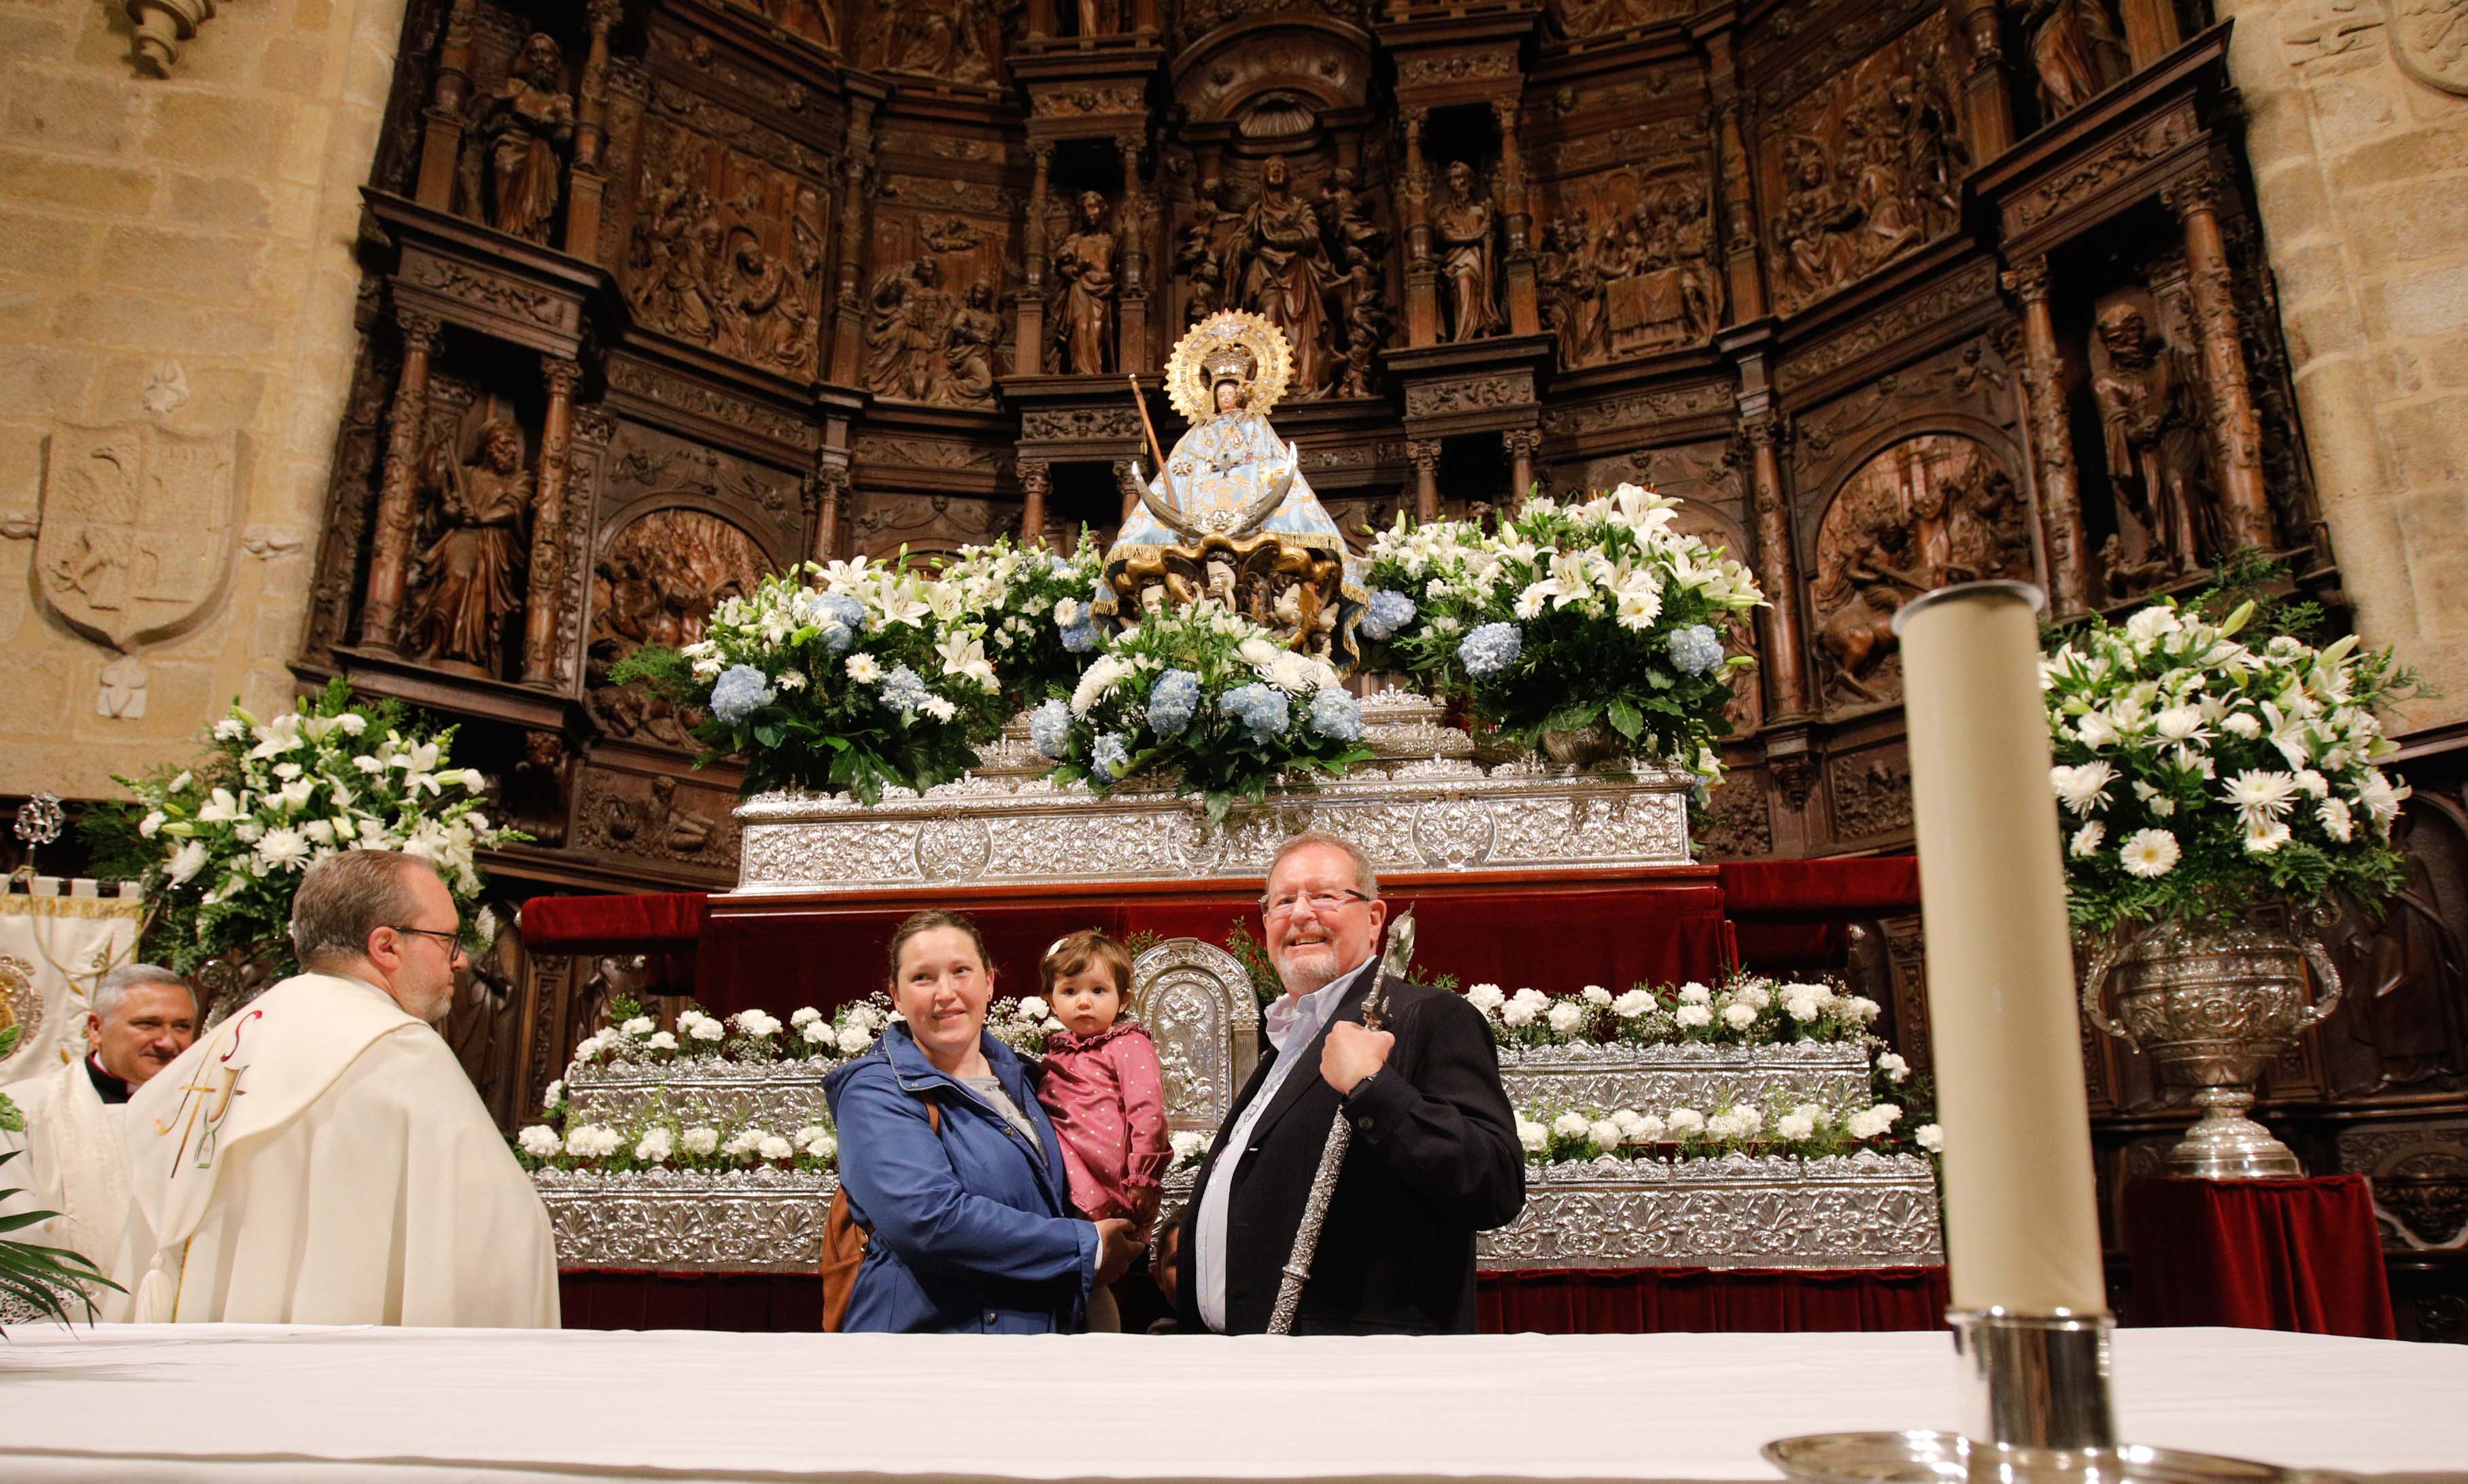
(1656, 1078)
(1423, 804)
(1863, 1210)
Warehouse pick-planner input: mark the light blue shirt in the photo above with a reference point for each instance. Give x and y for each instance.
(1291, 1023)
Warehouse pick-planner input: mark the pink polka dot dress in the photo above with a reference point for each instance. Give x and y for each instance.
(1106, 1094)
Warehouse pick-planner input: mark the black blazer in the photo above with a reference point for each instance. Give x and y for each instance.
(1434, 1160)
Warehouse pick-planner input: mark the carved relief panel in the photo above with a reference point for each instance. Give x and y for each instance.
(1920, 512)
(1581, 20)
(657, 579)
(947, 40)
(657, 819)
(727, 250)
(1625, 260)
(933, 328)
(1863, 167)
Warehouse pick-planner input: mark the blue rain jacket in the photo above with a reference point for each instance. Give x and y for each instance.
(973, 1229)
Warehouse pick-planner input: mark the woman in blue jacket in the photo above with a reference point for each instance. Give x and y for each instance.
(973, 1227)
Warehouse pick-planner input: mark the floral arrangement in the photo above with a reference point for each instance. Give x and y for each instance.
(2201, 764)
(1190, 1146)
(1745, 1009)
(1021, 1022)
(221, 846)
(840, 676)
(1595, 612)
(1033, 606)
(749, 1036)
(661, 1138)
(1209, 696)
(1807, 1130)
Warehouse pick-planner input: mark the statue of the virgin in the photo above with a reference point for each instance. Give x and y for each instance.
(1230, 515)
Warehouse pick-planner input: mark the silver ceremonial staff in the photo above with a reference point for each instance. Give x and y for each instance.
(1340, 1136)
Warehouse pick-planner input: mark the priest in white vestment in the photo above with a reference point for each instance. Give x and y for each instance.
(140, 1019)
(320, 1157)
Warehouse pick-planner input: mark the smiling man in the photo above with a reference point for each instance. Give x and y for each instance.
(1436, 1157)
(139, 1020)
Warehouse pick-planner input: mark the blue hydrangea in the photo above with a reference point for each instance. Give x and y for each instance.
(1336, 715)
(903, 692)
(1058, 567)
(1112, 754)
(842, 610)
(1049, 730)
(1173, 701)
(739, 693)
(1387, 613)
(1081, 638)
(1490, 648)
(1696, 649)
(837, 637)
(1262, 708)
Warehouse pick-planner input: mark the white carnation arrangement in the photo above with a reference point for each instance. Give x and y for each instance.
(2202, 766)
(1566, 1135)
(1743, 1010)
(1021, 1022)
(662, 1138)
(221, 846)
(749, 1037)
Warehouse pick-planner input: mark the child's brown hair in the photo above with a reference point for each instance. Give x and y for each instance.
(1078, 952)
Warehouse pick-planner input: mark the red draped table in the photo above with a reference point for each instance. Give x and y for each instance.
(1547, 1301)
(2302, 1255)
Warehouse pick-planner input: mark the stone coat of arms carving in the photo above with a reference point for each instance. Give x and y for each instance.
(138, 528)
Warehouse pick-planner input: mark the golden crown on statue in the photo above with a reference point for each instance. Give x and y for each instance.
(1234, 343)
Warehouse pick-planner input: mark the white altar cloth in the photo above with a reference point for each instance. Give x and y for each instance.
(141, 1403)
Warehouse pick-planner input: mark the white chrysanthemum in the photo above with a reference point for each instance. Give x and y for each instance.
(2149, 852)
(2081, 787)
(1929, 1137)
(1566, 1017)
(2337, 821)
(1571, 1125)
(2268, 836)
(1594, 994)
(2260, 796)
(2086, 840)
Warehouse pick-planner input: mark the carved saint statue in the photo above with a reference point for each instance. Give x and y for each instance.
(2150, 410)
(2075, 51)
(529, 120)
(1815, 223)
(941, 38)
(1196, 259)
(1084, 333)
(472, 572)
(1285, 275)
(1464, 223)
(1232, 496)
(905, 330)
(969, 342)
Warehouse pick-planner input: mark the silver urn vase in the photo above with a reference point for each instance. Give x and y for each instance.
(1583, 748)
(2213, 1007)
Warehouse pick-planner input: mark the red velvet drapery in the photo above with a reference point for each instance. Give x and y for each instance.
(1603, 1301)
(2301, 1255)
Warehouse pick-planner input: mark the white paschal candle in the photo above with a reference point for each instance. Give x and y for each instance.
(2021, 1207)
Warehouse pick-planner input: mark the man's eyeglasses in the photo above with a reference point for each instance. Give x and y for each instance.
(452, 939)
(1318, 900)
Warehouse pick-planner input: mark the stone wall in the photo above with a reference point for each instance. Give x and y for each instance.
(176, 291)
(2358, 137)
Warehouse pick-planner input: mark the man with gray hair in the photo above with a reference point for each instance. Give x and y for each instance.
(139, 1019)
(1434, 1159)
(320, 1157)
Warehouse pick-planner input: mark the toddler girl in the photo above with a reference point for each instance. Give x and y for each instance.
(1104, 1091)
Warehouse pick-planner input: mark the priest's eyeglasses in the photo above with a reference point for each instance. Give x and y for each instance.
(1318, 902)
(451, 939)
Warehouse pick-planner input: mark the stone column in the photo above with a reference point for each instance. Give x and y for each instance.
(441, 141)
(1786, 655)
(406, 424)
(1522, 300)
(590, 182)
(1989, 104)
(1036, 483)
(2052, 447)
(1523, 445)
(1131, 321)
(1425, 452)
(1028, 353)
(544, 595)
(1413, 212)
(848, 314)
(2244, 497)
